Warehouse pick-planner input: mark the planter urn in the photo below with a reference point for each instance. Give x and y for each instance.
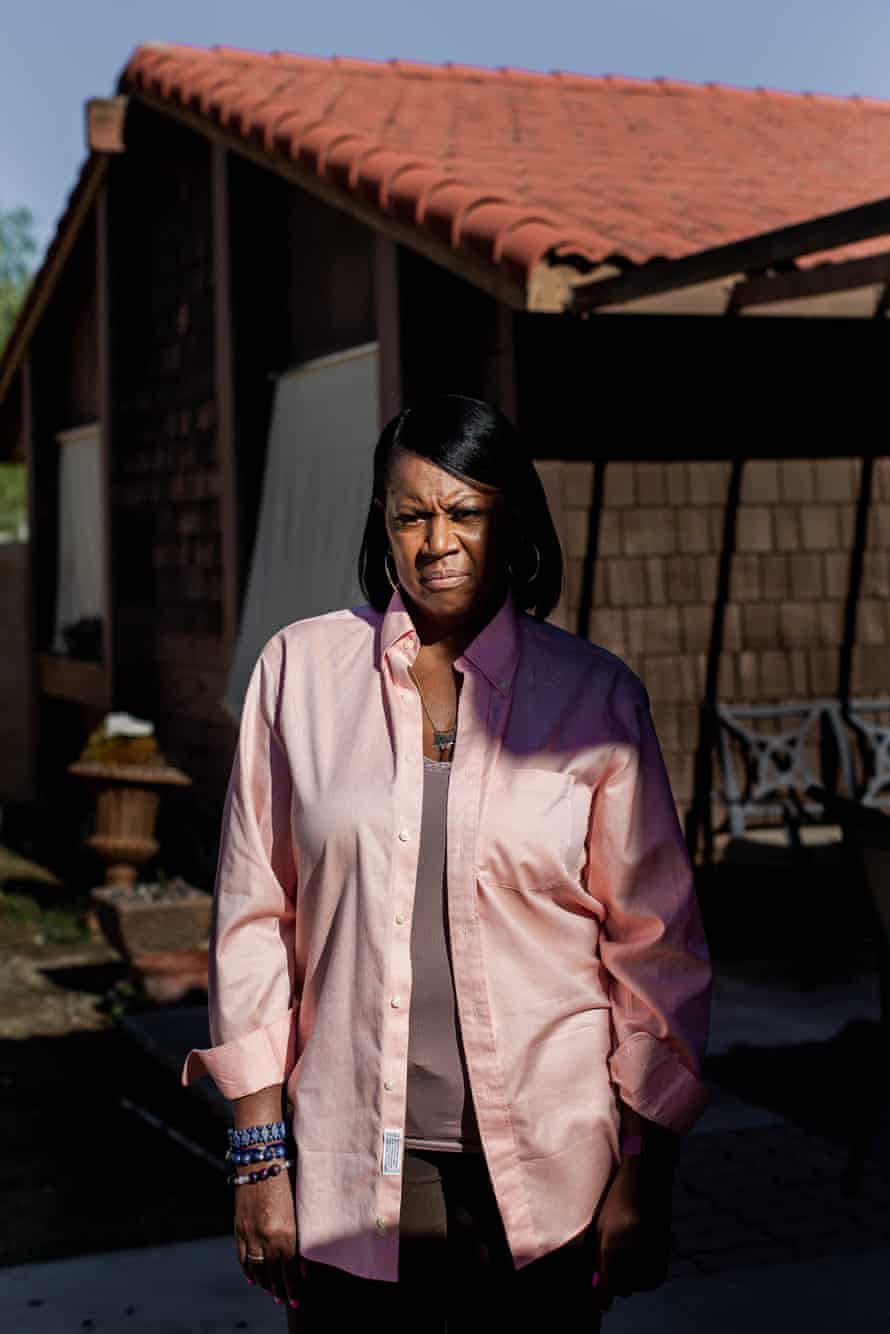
(127, 798)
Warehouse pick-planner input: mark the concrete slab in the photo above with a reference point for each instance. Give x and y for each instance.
(775, 1012)
(193, 1287)
(849, 1295)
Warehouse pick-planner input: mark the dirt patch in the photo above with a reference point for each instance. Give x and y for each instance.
(86, 1174)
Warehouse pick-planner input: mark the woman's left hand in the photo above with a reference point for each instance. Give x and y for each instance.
(633, 1228)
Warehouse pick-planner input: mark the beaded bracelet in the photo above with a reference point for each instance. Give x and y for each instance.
(243, 1156)
(249, 1135)
(264, 1173)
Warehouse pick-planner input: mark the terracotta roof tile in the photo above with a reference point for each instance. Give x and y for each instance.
(513, 165)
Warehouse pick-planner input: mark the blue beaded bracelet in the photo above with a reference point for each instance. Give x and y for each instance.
(242, 1139)
(263, 1175)
(240, 1156)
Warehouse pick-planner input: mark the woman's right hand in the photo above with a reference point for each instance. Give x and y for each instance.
(266, 1225)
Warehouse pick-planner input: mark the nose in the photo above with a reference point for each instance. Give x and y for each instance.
(438, 533)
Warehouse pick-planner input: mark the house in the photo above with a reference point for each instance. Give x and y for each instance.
(266, 255)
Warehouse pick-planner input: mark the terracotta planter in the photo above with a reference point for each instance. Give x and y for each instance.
(137, 926)
(127, 801)
(167, 976)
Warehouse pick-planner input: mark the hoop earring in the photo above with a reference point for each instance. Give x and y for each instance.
(532, 577)
(392, 585)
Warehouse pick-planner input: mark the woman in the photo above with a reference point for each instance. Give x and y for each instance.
(455, 932)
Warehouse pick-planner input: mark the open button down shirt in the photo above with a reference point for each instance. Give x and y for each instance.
(580, 965)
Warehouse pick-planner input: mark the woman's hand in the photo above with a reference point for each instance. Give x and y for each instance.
(633, 1228)
(265, 1225)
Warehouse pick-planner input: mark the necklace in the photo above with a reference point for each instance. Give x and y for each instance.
(442, 739)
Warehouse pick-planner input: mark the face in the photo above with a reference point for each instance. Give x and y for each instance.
(449, 538)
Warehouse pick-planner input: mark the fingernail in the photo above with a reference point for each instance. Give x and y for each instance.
(596, 1278)
(252, 1282)
(293, 1302)
(278, 1301)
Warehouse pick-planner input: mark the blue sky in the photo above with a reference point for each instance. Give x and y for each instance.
(56, 53)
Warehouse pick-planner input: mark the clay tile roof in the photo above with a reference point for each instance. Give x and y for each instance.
(516, 166)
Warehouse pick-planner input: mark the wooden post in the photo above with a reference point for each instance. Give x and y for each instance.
(106, 431)
(224, 372)
(389, 326)
(698, 816)
(30, 765)
(854, 582)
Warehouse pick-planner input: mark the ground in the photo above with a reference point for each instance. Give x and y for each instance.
(82, 1173)
(759, 1183)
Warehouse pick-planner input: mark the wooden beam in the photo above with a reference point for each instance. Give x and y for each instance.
(751, 255)
(224, 373)
(821, 280)
(474, 270)
(710, 298)
(105, 118)
(387, 314)
(856, 303)
(106, 430)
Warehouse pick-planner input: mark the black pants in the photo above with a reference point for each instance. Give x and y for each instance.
(456, 1273)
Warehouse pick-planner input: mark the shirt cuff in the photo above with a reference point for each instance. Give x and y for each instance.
(654, 1082)
(259, 1059)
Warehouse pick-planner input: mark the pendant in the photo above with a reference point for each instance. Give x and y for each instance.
(443, 739)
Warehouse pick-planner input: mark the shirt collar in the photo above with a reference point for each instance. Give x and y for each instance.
(495, 650)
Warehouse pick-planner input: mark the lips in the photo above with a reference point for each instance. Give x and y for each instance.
(444, 580)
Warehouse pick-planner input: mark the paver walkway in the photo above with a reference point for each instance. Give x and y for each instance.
(764, 1238)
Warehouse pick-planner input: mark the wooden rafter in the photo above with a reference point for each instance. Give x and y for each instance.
(823, 280)
(754, 255)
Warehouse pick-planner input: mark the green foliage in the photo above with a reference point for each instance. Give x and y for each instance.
(62, 923)
(13, 502)
(17, 248)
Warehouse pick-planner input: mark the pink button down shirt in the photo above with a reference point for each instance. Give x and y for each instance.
(580, 963)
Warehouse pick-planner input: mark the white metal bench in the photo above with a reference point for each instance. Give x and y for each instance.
(770, 754)
(871, 737)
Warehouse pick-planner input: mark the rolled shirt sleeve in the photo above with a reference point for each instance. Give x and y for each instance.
(652, 940)
(251, 998)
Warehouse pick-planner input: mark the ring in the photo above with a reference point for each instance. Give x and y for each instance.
(248, 1256)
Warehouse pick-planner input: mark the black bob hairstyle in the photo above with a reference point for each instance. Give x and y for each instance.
(474, 442)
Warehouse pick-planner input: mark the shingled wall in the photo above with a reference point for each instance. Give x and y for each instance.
(661, 531)
(165, 458)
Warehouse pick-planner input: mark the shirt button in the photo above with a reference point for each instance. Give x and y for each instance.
(388, 1085)
(400, 918)
(381, 1225)
(403, 835)
(396, 1002)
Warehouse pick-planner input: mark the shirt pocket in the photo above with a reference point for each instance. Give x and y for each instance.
(526, 830)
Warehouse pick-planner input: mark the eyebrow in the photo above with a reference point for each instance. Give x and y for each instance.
(410, 496)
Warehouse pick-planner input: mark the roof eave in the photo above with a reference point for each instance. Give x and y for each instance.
(44, 282)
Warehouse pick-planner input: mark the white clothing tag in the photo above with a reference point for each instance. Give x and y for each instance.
(392, 1152)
